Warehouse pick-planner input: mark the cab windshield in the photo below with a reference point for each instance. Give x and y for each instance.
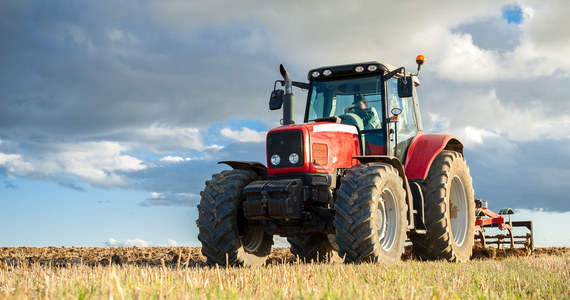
(360, 98)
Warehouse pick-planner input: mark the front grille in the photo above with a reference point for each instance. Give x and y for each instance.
(283, 143)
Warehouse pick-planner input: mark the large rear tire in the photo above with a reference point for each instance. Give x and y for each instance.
(312, 247)
(224, 232)
(449, 211)
(370, 214)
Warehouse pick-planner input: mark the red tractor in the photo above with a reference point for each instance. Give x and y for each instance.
(358, 176)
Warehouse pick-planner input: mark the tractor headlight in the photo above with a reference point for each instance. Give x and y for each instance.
(359, 69)
(275, 159)
(327, 72)
(372, 68)
(316, 74)
(294, 158)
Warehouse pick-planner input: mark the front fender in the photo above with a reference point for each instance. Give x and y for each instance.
(257, 167)
(423, 150)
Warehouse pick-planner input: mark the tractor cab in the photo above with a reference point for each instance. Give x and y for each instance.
(365, 95)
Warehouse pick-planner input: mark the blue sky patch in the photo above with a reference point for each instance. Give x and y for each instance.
(513, 14)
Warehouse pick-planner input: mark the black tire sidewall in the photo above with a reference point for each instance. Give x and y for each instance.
(438, 242)
(393, 183)
(459, 168)
(224, 189)
(367, 193)
(311, 246)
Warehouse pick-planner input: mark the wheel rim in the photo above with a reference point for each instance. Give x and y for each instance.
(458, 211)
(252, 239)
(387, 220)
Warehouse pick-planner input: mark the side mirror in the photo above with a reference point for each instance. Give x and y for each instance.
(276, 99)
(405, 87)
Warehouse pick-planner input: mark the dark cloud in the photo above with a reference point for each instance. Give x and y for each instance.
(521, 108)
(180, 183)
(500, 34)
(494, 34)
(73, 70)
(72, 185)
(519, 144)
(521, 175)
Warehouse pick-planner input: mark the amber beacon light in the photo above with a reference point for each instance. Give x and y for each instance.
(420, 60)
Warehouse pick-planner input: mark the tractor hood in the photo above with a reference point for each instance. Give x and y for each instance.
(311, 148)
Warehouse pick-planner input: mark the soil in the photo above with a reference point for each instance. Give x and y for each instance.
(177, 257)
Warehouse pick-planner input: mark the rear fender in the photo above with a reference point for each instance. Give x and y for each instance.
(423, 150)
(395, 162)
(257, 167)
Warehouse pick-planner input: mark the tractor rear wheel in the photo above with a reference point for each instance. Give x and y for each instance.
(312, 247)
(224, 232)
(449, 211)
(370, 214)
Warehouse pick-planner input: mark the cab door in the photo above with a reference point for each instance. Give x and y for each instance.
(408, 122)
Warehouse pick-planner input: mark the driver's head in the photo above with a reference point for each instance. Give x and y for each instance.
(360, 101)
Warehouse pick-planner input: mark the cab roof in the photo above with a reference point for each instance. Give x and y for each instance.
(356, 70)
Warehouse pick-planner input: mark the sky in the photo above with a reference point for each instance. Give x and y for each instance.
(114, 113)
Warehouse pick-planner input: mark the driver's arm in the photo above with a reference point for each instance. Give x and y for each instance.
(370, 118)
(374, 119)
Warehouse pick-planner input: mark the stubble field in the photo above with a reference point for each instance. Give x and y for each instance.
(180, 272)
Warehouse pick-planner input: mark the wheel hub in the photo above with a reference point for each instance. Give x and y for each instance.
(458, 209)
(387, 219)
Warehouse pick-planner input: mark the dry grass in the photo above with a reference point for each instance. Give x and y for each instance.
(538, 276)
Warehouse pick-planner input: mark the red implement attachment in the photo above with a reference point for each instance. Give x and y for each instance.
(488, 219)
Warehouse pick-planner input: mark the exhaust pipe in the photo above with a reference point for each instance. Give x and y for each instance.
(289, 98)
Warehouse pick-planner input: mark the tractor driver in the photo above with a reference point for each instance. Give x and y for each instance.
(368, 115)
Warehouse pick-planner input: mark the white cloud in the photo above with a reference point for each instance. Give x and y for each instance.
(165, 138)
(455, 56)
(244, 134)
(541, 50)
(528, 13)
(214, 147)
(174, 159)
(478, 115)
(171, 199)
(111, 242)
(15, 164)
(473, 135)
(462, 61)
(98, 163)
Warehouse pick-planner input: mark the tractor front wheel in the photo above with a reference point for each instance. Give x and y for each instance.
(226, 236)
(370, 214)
(312, 247)
(449, 211)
